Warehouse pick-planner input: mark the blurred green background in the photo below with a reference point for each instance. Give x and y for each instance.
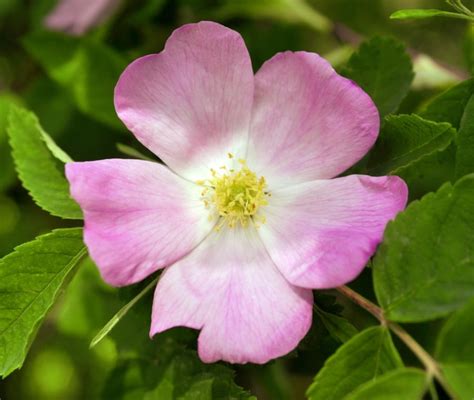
(32, 72)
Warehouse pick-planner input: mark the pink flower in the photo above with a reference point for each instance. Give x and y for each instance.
(76, 17)
(244, 218)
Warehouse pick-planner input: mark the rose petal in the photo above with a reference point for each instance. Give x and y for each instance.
(308, 122)
(78, 16)
(321, 234)
(139, 216)
(191, 103)
(230, 288)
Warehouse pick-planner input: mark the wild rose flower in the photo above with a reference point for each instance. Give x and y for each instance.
(76, 17)
(245, 217)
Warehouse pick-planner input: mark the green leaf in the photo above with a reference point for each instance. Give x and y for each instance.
(433, 170)
(451, 345)
(7, 168)
(426, 13)
(459, 377)
(31, 279)
(403, 383)
(404, 140)
(338, 327)
(465, 141)
(42, 175)
(430, 172)
(424, 268)
(383, 69)
(88, 70)
(455, 351)
(55, 150)
(174, 373)
(449, 106)
(366, 356)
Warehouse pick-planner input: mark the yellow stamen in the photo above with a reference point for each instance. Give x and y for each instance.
(235, 196)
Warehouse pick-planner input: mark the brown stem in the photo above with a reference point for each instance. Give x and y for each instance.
(366, 304)
(425, 358)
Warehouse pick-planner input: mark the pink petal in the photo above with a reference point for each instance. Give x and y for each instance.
(230, 289)
(308, 122)
(139, 217)
(191, 103)
(321, 234)
(78, 16)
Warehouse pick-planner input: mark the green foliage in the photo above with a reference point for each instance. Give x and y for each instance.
(424, 268)
(451, 345)
(425, 13)
(41, 173)
(403, 383)
(430, 172)
(459, 376)
(455, 350)
(465, 141)
(422, 271)
(7, 169)
(171, 372)
(338, 327)
(363, 358)
(450, 105)
(469, 48)
(87, 304)
(88, 70)
(383, 69)
(121, 313)
(30, 281)
(404, 140)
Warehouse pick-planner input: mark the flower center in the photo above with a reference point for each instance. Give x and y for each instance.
(235, 195)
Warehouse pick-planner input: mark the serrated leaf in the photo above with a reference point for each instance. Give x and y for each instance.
(55, 150)
(30, 281)
(449, 106)
(430, 172)
(404, 140)
(455, 351)
(7, 169)
(338, 327)
(435, 169)
(403, 383)
(88, 70)
(424, 268)
(175, 373)
(366, 356)
(40, 172)
(384, 70)
(425, 13)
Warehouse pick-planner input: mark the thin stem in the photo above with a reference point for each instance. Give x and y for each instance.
(429, 362)
(459, 6)
(366, 304)
(130, 151)
(124, 310)
(432, 390)
(425, 358)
